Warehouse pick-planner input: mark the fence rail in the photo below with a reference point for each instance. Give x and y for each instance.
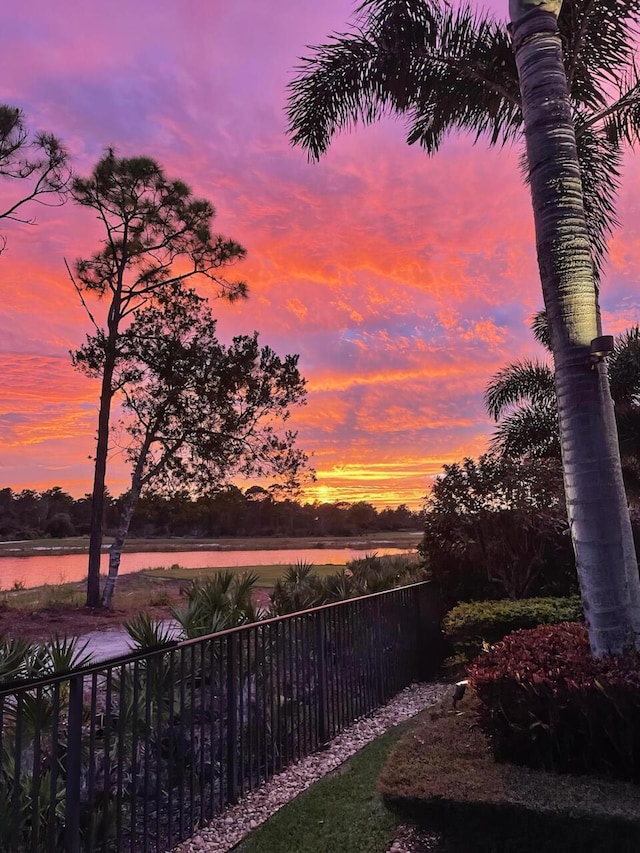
(133, 754)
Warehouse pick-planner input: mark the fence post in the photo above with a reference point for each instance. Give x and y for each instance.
(321, 675)
(378, 652)
(73, 766)
(232, 720)
(418, 668)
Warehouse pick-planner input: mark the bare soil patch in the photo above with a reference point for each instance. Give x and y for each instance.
(26, 614)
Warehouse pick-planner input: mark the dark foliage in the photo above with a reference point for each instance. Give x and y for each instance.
(497, 527)
(474, 626)
(228, 511)
(300, 588)
(35, 165)
(547, 703)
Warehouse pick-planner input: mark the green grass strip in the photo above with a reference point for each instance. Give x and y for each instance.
(341, 813)
(267, 575)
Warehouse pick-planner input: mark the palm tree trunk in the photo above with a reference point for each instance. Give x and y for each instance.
(596, 502)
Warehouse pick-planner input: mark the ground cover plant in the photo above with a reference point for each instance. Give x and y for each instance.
(443, 776)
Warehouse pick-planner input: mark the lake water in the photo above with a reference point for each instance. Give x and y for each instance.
(53, 569)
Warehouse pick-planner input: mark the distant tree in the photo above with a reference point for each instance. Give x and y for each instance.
(157, 236)
(363, 517)
(400, 518)
(196, 411)
(38, 161)
(59, 526)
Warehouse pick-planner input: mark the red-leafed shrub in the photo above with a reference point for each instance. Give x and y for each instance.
(547, 703)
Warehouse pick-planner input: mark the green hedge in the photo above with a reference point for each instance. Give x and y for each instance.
(474, 625)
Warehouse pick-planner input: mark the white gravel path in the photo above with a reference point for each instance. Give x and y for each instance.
(232, 825)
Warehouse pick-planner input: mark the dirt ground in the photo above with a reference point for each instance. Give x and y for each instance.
(135, 594)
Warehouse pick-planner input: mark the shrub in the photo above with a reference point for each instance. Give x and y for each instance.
(60, 526)
(497, 527)
(300, 588)
(547, 703)
(472, 626)
(224, 600)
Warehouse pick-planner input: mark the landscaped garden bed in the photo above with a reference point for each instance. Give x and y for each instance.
(443, 776)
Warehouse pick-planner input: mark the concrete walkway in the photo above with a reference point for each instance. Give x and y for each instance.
(113, 642)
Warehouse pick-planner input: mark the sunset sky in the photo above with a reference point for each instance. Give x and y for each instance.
(404, 282)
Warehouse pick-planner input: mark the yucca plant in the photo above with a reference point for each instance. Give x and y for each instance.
(149, 633)
(222, 601)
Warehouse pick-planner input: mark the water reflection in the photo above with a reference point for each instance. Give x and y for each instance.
(35, 571)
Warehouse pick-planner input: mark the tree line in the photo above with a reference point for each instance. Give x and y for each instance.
(228, 511)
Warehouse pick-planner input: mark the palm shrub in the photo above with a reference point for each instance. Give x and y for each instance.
(214, 604)
(32, 791)
(372, 573)
(547, 703)
(300, 588)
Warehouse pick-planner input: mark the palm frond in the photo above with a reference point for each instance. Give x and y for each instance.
(149, 633)
(519, 382)
(299, 572)
(441, 69)
(599, 158)
(599, 42)
(65, 653)
(531, 431)
(624, 370)
(541, 329)
(14, 654)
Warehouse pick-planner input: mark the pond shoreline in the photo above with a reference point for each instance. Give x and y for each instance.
(80, 545)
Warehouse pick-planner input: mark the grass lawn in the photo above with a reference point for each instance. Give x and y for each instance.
(341, 813)
(267, 575)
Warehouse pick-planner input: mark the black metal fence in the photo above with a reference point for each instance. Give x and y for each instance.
(133, 754)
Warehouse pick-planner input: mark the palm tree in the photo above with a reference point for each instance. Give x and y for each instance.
(521, 399)
(446, 69)
(596, 501)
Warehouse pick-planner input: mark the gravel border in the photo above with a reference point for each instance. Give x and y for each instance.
(237, 821)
